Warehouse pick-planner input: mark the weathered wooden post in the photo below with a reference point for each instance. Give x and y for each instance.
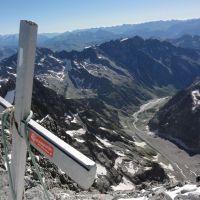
(24, 84)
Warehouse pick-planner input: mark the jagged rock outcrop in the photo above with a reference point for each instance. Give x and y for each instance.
(179, 118)
(122, 73)
(93, 128)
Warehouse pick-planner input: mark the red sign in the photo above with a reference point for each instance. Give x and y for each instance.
(41, 143)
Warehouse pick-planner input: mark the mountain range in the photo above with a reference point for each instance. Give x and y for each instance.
(79, 39)
(82, 97)
(122, 73)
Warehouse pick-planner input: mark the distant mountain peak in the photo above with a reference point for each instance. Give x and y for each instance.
(79, 39)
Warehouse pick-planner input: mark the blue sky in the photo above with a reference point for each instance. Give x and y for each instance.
(65, 15)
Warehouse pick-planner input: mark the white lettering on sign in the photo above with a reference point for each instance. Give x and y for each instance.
(41, 143)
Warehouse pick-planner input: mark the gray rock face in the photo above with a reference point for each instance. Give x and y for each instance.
(94, 129)
(187, 41)
(188, 197)
(178, 119)
(120, 73)
(36, 193)
(160, 196)
(4, 186)
(102, 141)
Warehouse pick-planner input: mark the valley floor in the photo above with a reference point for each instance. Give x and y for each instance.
(181, 166)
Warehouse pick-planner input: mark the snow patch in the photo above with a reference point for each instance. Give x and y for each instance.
(140, 144)
(148, 131)
(59, 75)
(101, 170)
(168, 167)
(184, 190)
(118, 162)
(104, 141)
(64, 196)
(42, 59)
(188, 189)
(172, 178)
(87, 47)
(56, 59)
(15, 75)
(100, 57)
(80, 140)
(60, 171)
(5, 80)
(75, 121)
(37, 158)
(124, 39)
(98, 145)
(102, 128)
(9, 161)
(155, 158)
(120, 154)
(68, 116)
(196, 99)
(131, 168)
(124, 185)
(78, 132)
(29, 170)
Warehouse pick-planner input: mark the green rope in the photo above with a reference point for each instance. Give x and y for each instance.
(26, 130)
(6, 118)
(6, 124)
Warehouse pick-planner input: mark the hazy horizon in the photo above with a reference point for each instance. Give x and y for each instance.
(86, 28)
(66, 15)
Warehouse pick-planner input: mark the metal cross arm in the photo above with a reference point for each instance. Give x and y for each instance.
(76, 165)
